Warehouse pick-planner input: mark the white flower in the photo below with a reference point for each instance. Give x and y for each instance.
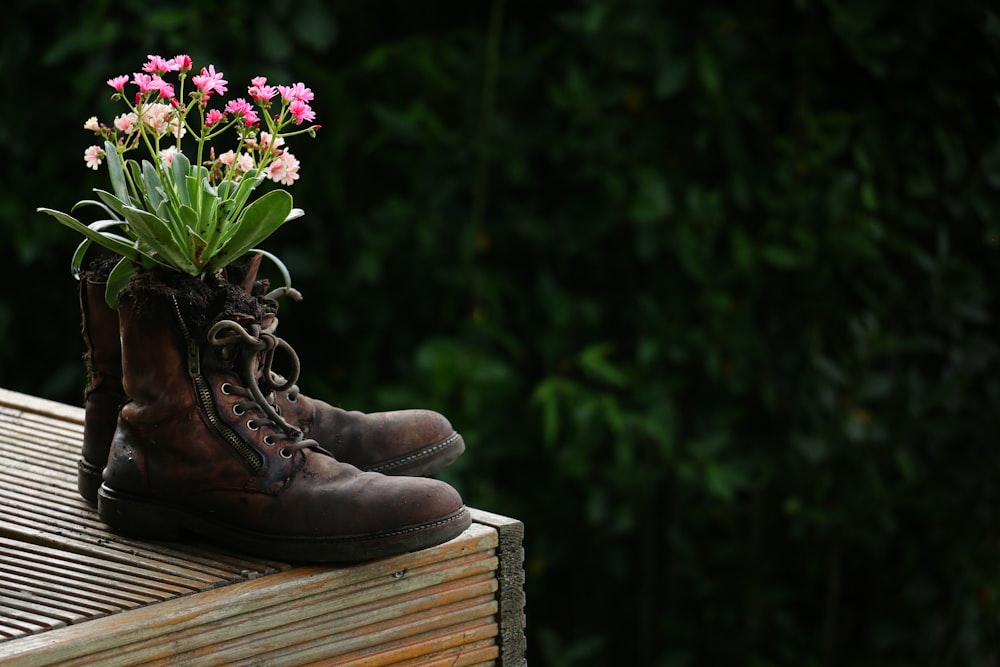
(93, 156)
(167, 155)
(284, 169)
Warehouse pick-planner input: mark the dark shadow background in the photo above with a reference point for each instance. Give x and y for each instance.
(709, 288)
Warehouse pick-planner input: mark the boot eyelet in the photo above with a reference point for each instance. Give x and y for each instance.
(269, 441)
(226, 388)
(238, 410)
(253, 425)
(285, 453)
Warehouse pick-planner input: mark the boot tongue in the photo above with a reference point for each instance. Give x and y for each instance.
(250, 277)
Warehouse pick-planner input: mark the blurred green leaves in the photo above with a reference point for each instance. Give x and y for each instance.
(710, 291)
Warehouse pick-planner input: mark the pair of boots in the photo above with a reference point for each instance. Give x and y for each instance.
(188, 429)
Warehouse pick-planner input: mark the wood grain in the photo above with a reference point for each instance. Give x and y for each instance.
(74, 593)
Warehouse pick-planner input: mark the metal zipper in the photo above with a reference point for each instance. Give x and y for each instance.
(246, 452)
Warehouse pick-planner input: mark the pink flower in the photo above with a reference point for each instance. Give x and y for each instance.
(284, 169)
(301, 111)
(245, 162)
(160, 65)
(240, 107)
(118, 82)
(265, 141)
(92, 124)
(260, 91)
(144, 81)
(297, 91)
(210, 81)
(126, 122)
(214, 116)
(183, 63)
(93, 156)
(240, 165)
(166, 90)
(153, 84)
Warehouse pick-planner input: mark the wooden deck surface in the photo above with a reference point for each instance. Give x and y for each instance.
(72, 592)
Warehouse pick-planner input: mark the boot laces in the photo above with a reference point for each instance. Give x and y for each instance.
(256, 348)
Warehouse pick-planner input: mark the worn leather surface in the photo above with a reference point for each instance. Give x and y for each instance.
(104, 394)
(166, 449)
(396, 442)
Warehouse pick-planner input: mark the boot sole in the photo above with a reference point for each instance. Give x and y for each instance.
(424, 462)
(145, 518)
(88, 479)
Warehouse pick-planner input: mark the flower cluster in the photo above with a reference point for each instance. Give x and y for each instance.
(191, 213)
(158, 110)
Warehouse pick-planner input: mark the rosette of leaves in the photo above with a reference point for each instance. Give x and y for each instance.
(174, 217)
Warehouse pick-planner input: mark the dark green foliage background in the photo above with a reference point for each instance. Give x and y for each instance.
(710, 289)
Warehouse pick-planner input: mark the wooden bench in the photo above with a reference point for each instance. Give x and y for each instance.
(73, 593)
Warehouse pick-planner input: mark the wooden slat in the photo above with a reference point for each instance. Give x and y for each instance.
(333, 634)
(288, 592)
(321, 616)
(27, 405)
(510, 574)
(85, 535)
(95, 602)
(471, 654)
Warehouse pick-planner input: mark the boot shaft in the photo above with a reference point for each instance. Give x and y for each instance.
(190, 409)
(153, 357)
(99, 327)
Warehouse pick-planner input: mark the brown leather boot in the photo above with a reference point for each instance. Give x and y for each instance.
(400, 442)
(104, 395)
(200, 450)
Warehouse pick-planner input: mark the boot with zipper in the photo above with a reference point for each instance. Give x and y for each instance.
(200, 450)
(399, 442)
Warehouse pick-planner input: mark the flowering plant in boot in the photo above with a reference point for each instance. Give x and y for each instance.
(191, 213)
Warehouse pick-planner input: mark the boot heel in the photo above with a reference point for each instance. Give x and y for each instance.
(129, 514)
(88, 480)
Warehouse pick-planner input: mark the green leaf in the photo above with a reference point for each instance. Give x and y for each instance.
(153, 185)
(258, 221)
(595, 362)
(113, 202)
(77, 261)
(157, 234)
(101, 225)
(180, 167)
(780, 257)
(117, 279)
(99, 204)
(107, 241)
(132, 170)
(206, 220)
(191, 185)
(176, 219)
(188, 216)
(116, 170)
(247, 185)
